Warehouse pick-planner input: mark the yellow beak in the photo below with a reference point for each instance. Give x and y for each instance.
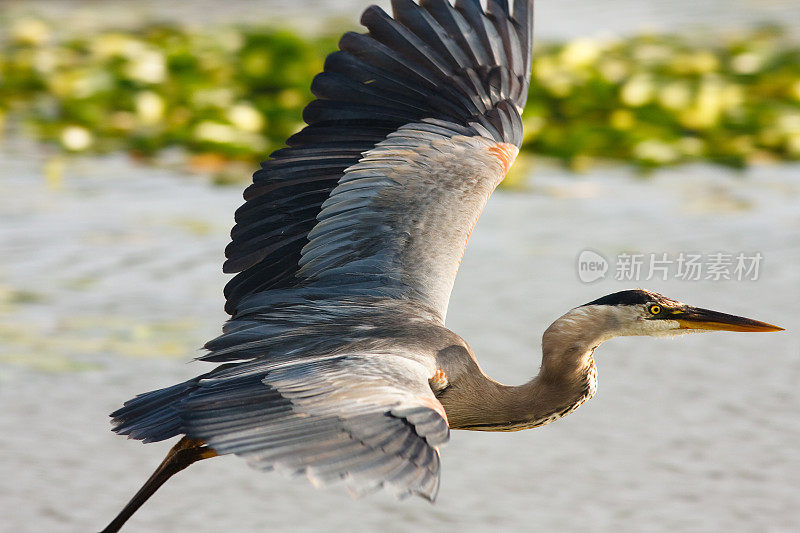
(696, 318)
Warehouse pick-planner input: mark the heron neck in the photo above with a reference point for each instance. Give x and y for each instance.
(567, 378)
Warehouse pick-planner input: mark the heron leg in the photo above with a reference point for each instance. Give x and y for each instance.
(184, 453)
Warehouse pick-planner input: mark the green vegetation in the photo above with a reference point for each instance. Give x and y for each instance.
(660, 100)
(229, 95)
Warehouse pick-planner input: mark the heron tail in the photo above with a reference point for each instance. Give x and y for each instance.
(184, 453)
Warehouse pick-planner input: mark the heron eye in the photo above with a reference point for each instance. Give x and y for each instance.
(655, 309)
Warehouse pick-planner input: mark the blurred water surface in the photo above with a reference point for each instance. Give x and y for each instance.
(110, 283)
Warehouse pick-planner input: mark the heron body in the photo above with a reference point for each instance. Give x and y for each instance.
(336, 363)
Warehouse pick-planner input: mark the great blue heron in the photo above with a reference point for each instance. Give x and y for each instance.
(336, 362)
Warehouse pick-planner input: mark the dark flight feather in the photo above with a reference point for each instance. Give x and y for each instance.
(432, 61)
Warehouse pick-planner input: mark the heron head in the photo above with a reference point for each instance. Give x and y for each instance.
(641, 312)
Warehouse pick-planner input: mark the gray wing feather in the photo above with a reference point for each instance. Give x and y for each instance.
(365, 419)
(369, 420)
(403, 214)
(333, 389)
(433, 61)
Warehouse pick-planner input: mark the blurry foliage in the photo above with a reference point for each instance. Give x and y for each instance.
(226, 95)
(236, 94)
(661, 100)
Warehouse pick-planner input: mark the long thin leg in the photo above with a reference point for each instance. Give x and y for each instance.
(186, 452)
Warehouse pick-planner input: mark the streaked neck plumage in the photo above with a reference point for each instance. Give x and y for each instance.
(567, 379)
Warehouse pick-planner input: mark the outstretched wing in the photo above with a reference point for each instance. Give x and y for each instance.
(414, 125)
(344, 418)
(361, 413)
(347, 248)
